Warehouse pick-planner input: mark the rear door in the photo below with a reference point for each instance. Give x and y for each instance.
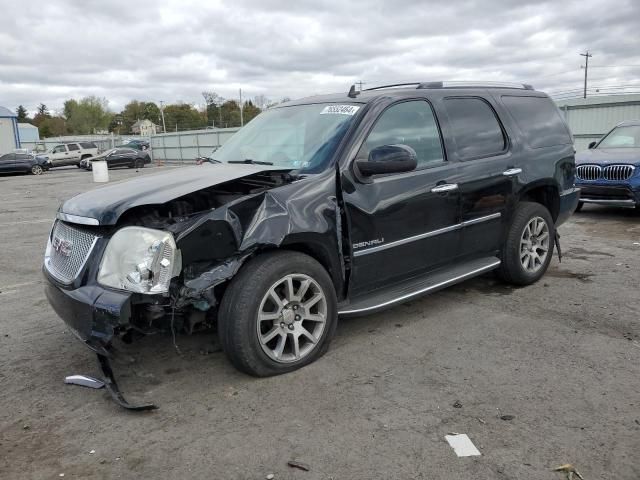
(402, 224)
(487, 172)
(74, 153)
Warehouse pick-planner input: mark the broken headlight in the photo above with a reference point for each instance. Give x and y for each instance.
(140, 260)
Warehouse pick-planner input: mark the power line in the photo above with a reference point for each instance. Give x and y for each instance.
(615, 66)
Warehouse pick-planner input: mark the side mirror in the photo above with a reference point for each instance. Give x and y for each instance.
(592, 144)
(388, 159)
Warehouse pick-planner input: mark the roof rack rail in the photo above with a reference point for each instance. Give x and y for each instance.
(456, 84)
(394, 85)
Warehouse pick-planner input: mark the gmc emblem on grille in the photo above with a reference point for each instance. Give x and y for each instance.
(63, 247)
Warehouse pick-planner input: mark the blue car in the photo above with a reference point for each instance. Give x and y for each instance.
(609, 172)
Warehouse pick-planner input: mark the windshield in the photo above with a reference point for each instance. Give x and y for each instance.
(622, 137)
(302, 137)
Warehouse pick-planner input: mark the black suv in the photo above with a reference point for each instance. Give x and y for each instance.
(332, 205)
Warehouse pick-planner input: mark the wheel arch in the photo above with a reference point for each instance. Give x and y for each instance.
(317, 248)
(545, 192)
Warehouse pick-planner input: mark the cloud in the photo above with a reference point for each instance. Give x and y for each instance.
(173, 50)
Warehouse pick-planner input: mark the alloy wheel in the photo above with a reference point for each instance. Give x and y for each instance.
(36, 170)
(534, 244)
(291, 318)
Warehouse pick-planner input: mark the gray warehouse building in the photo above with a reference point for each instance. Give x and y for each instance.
(590, 118)
(9, 136)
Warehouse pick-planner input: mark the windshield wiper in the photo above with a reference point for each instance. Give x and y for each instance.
(250, 161)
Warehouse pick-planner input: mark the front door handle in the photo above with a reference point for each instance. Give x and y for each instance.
(512, 172)
(445, 187)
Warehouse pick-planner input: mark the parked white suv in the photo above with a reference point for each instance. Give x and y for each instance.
(71, 153)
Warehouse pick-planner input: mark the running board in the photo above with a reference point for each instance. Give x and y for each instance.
(418, 286)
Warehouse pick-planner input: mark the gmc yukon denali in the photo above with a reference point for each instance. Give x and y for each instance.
(323, 207)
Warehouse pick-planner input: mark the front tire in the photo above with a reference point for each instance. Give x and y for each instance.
(37, 170)
(278, 314)
(529, 245)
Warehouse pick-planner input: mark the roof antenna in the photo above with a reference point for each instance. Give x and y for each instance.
(353, 93)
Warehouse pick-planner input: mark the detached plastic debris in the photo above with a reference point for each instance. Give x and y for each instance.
(462, 445)
(299, 465)
(570, 470)
(84, 381)
(114, 391)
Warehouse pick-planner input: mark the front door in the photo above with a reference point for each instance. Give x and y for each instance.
(404, 224)
(59, 156)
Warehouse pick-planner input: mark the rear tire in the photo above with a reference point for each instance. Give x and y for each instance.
(278, 314)
(139, 164)
(528, 247)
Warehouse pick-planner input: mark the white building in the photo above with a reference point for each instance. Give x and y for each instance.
(9, 136)
(144, 128)
(592, 117)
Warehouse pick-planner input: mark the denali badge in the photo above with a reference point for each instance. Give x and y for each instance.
(368, 243)
(63, 247)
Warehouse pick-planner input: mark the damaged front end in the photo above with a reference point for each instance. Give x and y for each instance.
(157, 267)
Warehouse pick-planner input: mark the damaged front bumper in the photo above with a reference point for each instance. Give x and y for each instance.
(94, 314)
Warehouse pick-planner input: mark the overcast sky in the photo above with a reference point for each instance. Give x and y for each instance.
(173, 50)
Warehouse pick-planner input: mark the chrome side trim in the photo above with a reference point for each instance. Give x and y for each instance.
(473, 221)
(77, 219)
(422, 236)
(600, 201)
(444, 283)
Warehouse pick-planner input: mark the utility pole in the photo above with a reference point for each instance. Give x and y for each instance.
(586, 56)
(241, 116)
(164, 127)
(360, 84)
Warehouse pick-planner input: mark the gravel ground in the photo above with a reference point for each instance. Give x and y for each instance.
(562, 357)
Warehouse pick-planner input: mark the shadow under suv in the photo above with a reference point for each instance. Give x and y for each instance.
(332, 205)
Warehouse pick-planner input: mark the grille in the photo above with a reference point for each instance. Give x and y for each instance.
(618, 172)
(610, 172)
(588, 172)
(70, 248)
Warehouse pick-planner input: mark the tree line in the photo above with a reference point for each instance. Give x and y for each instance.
(91, 115)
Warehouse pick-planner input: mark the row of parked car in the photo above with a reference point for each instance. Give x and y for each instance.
(134, 153)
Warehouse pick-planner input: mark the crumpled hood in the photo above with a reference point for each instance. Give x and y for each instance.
(106, 204)
(606, 156)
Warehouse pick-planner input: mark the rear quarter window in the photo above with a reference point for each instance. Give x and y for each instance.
(88, 145)
(539, 120)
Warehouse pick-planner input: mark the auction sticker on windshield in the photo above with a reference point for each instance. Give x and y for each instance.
(340, 110)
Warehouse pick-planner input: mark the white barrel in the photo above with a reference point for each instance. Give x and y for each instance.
(100, 171)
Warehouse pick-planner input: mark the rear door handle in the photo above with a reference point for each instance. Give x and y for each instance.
(445, 187)
(512, 172)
